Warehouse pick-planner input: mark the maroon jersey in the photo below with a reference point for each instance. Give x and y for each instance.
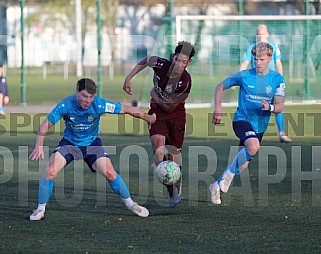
(174, 89)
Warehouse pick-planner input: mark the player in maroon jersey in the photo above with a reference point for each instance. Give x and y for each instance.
(172, 85)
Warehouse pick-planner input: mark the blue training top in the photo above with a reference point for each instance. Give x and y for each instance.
(247, 56)
(253, 90)
(82, 125)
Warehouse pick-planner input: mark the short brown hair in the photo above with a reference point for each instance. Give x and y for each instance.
(262, 48)
(87, 84)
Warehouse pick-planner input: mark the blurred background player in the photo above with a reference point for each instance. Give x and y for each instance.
(4, 96)
(171, 87)
(261, 93)
(275, 64)
(81, 113)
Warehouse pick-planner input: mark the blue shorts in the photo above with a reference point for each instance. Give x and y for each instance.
(87, 153)
(244, 130)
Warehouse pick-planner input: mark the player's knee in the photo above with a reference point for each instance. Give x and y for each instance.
(6, 100)
(253, 149)
(110, 174)
(50, 175)
(159, 156)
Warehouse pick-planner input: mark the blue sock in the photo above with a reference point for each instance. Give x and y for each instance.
(119, 187)
(1, 108)
(45, 190)
(279, 119)
(241, 157)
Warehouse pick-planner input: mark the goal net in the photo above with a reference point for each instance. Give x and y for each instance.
(221, 40)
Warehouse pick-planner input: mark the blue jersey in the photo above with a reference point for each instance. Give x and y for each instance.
(247, 56)
(253, 90)
(82, 125)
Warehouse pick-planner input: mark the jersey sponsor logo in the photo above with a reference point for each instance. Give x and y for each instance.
(250, 133)
(160, 93)
(109, 107)
(250, 86)
(256, 98)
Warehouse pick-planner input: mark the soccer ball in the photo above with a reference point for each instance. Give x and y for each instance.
(168, 172)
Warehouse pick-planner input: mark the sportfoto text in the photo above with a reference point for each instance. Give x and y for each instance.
(195, 175)
(298, 122)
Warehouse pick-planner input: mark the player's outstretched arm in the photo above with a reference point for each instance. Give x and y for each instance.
(127, 86)
(217, 115)
(138, 113)
(42, 131)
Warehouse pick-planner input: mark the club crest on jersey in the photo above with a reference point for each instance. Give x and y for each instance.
(169, 88)
(268, 89)
(91, 118)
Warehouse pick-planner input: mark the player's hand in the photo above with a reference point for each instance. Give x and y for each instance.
(127, 87)
(217, 117)
(151, 120)
(37, 153)
(265, 105)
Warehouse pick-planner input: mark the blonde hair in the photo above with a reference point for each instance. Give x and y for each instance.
(262, 48)
(263, 26)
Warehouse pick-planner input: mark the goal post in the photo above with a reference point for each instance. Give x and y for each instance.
(223, 40)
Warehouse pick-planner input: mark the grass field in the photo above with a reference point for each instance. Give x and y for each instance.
(54, 88)
(272, 208)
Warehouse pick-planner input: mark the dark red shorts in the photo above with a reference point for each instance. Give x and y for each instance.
(173, 130)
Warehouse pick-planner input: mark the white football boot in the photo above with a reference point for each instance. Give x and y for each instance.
(37, 215)
(139, 210)
(226, 181)
(285, 139)
(215, 193)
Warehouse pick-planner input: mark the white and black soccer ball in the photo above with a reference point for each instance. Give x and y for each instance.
(168, 172)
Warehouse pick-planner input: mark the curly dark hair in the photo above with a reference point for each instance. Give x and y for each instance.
(185, 48)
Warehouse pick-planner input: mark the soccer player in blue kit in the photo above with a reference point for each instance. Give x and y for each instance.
(261, 92)
(81, 113)
(275, 64)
